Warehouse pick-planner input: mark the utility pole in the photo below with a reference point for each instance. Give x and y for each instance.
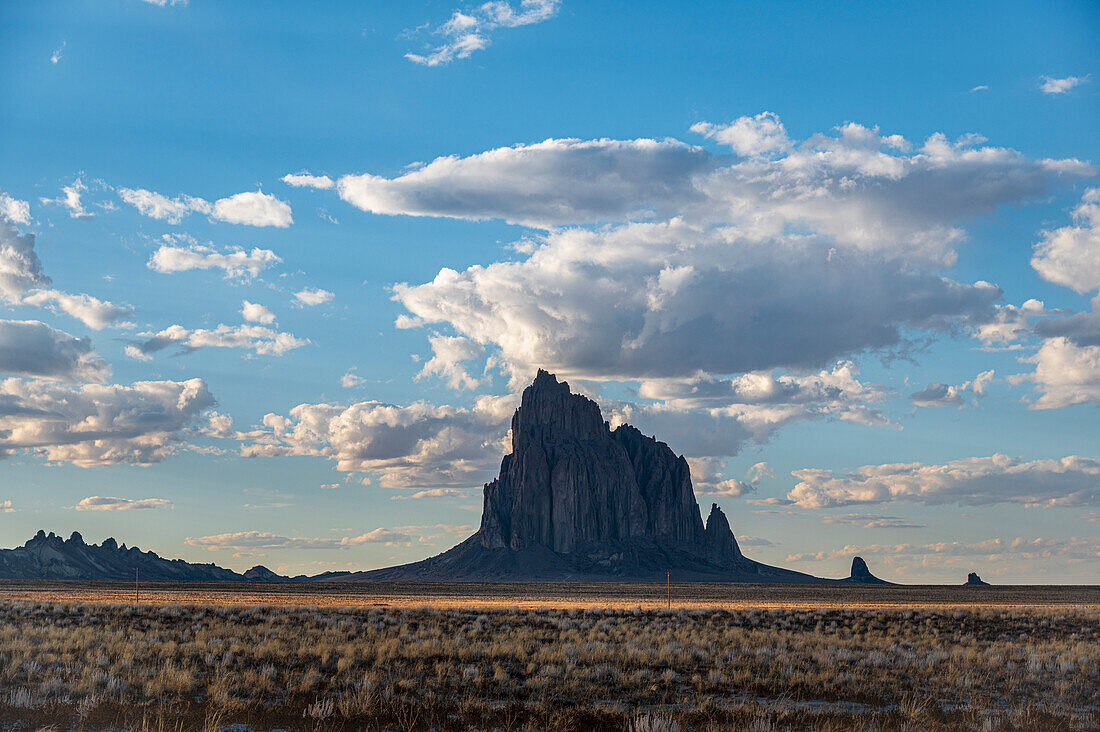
(137, 587)
(668, 583)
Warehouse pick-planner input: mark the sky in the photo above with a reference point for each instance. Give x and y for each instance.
(273, 276)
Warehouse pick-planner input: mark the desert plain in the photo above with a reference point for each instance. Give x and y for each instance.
(512, 656)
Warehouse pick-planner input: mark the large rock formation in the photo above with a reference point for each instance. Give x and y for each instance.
(570, 481)
(973, 580)
(861, 575)
(578, 500)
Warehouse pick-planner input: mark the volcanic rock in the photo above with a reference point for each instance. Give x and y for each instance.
(860, 575)
(576, 500)
(974, 580)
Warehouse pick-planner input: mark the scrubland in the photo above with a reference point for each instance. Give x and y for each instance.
(99, 666)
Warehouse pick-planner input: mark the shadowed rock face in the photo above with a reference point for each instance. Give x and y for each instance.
(974, 579)
(721, 546)
(578, 500)
(571, 481)
(861, 575)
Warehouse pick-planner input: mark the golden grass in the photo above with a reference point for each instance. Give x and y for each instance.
(609, 596)
(300, 664)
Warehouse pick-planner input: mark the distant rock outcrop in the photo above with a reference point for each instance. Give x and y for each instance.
(860, 575)
(974, 580)
(577, 500)
(48, 556)
(260, 573)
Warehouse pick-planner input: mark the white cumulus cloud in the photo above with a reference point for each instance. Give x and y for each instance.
(14, 210)
(92, 312)
(978, 481)
(415, 446)
(311, 296)
(541, 185)
(252, 208)
(259, 339)
(1065, 374)
(305, 180)
(234, 263)
(748, 136)
(811, 254)
(750, 306)
(256, 313)
(93, 425)
(1052, 85)
(1070, 255)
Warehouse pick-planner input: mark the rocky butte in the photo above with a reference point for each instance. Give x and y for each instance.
(576, 500)
(860, 575)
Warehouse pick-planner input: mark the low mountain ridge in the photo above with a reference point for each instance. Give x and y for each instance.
(49, 557)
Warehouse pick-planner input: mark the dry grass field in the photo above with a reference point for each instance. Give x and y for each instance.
(554, 657)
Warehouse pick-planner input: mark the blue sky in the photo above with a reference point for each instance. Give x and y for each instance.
(754, 230)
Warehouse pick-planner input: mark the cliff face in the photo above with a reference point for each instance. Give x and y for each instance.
(721, 547)
(861, 575)
(576, 500)
(570, 483)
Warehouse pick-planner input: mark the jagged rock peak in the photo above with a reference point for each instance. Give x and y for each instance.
(549, 407)
(76, 539)
(974, 579)
(109, 543)
(859, 569)
(570, 483)
(42, 538)
(721, 545)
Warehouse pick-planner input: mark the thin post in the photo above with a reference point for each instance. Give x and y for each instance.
(668, 583)
(137, 587)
